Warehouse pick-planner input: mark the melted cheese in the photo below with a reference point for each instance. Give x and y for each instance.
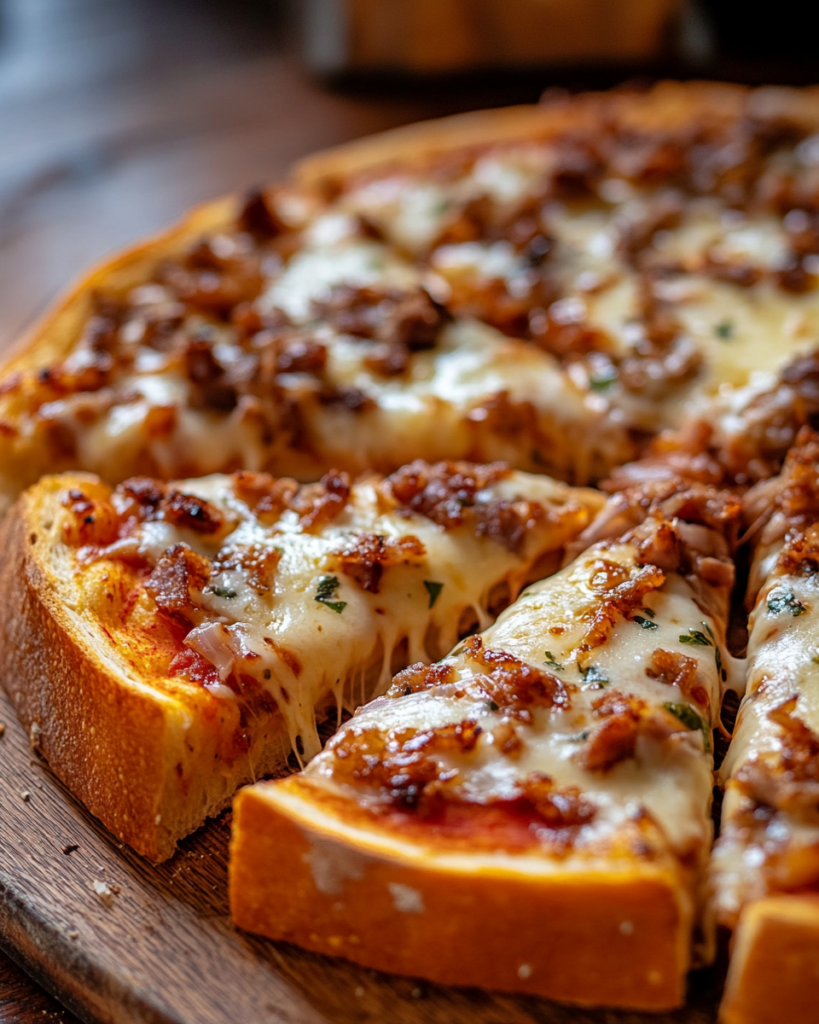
(301, 649)
(783, 663)
(671, 780)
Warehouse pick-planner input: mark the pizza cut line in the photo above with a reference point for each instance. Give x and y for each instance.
(613, 289)
(764, 870)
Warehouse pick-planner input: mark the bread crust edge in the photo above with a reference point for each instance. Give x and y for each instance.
(299, 873)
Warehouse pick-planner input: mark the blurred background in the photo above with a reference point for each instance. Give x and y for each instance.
(115, 115)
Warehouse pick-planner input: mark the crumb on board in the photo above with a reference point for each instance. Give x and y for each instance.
(2, 728)
(105, 892)
(25, 796)
(70, 847)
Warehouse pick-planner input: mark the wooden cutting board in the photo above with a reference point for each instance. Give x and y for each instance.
(119, 940)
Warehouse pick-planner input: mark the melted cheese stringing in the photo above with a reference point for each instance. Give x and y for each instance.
(769, 841)
(303, 613)
(593, 695)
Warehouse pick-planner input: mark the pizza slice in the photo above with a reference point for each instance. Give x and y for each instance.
(532, 813)
(765, 866)
(278, 335)
(164, 643)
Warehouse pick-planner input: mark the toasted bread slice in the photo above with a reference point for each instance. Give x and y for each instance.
(546, 285)
(765, 866)
(165, 643)
(532, 813)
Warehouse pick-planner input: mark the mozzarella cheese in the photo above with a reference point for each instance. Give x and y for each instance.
(770, 832)
(311, 631)
(667, 777)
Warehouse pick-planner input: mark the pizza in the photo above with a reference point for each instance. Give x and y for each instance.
(551, 778)
(260, 463)
(198, 630)
(765, 868)
(551, 286)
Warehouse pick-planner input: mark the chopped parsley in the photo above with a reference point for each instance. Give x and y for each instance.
(327, 591)
(492, 706)
(222, 592)
(579, 737)
(690, 719)
(717, 656)
(434, 591)
(552, 662)
(594, 675)
(603, 381)
(695, 638)
(785, 602)
(724, 329)
(645, 623)
(649, 612)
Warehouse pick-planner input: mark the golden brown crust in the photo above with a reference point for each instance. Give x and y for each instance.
(599, 936)
(669, 106)
(774, 963)
(98, 723)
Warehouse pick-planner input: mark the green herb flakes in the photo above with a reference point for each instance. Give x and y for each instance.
(326, 593)
(784, 602)
(222, 592)
(645, 623)
(724, 329)
(593, 675)
(603, 381)
(434, 591)
(695, 638)
(690, 719)
(552, 662)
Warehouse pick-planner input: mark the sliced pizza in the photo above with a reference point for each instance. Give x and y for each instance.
(546, 285)
(531, 813)
(765, 866)
(164, 643)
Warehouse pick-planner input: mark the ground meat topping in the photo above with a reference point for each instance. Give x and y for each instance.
(626, 718)
(177, 581)
(319, 504)
(675, 669)
(622, 591)
(365, 556)
(420, 677)
(514, 687)
(448, 494)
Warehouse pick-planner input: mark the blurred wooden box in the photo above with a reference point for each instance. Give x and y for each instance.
(429, 36)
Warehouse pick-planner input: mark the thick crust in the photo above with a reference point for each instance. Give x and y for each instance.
(97, 719)
(668, 107)
(774, 973)
(587, 934)
(53, 335)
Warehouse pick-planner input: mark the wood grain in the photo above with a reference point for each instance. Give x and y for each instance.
(19, 997)
(160, 947)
